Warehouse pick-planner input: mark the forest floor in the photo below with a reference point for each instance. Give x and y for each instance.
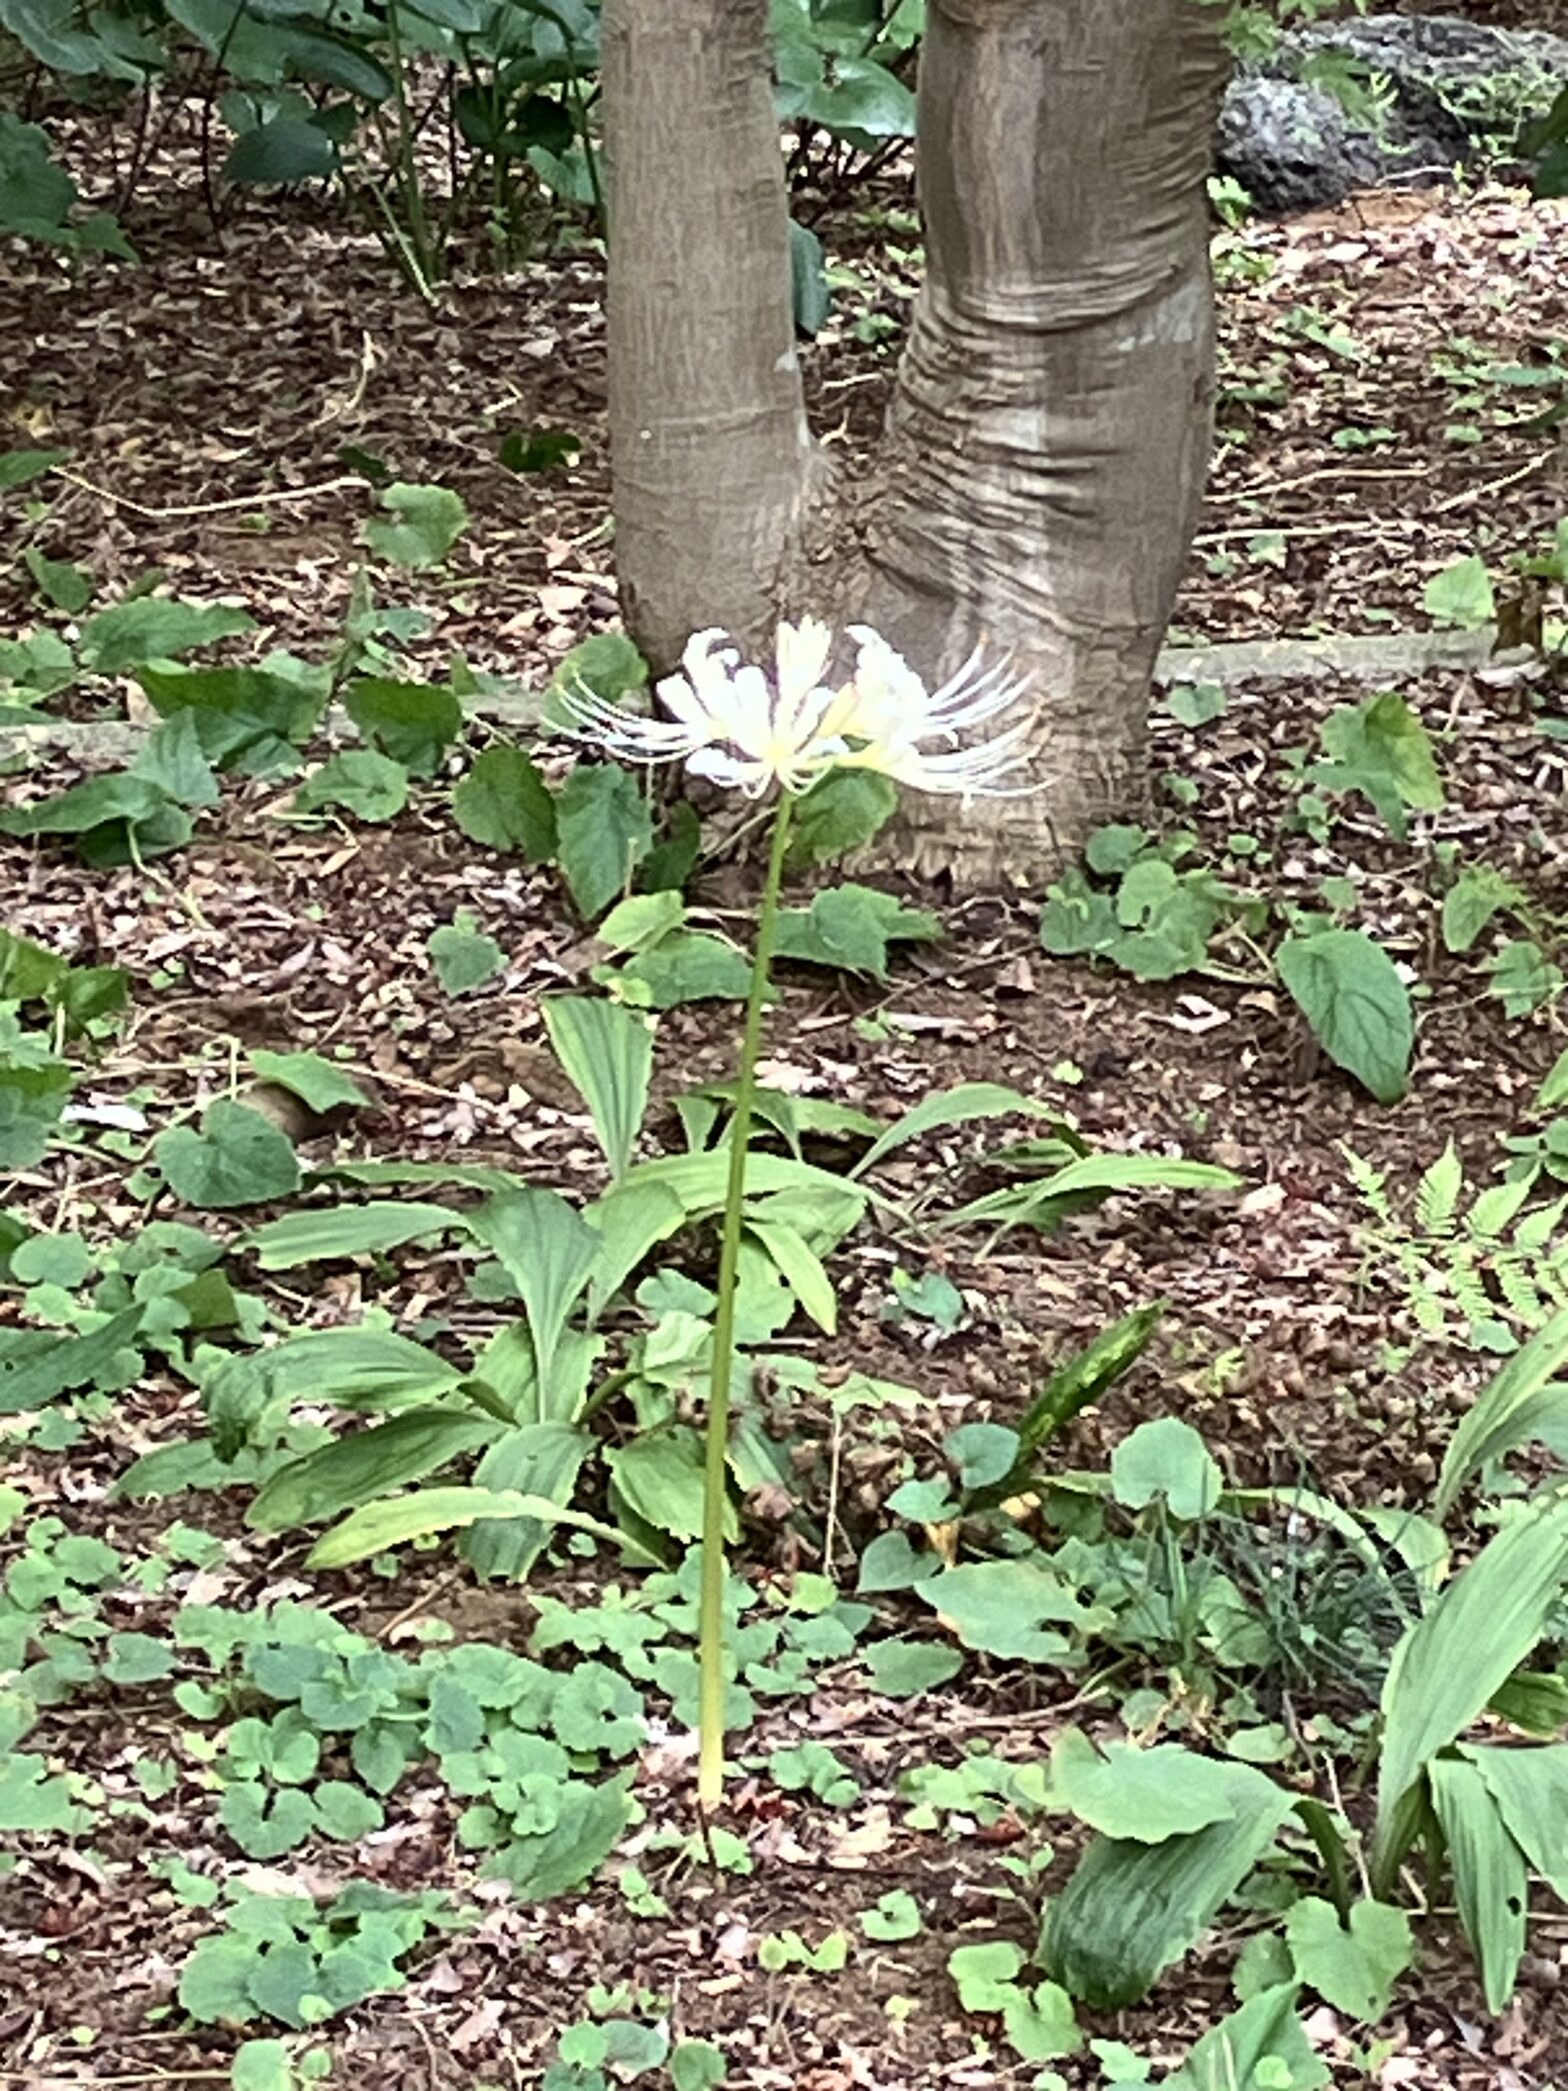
(1383, 378)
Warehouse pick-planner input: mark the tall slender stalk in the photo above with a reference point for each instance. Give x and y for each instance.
(416, 243)
(710, 1765)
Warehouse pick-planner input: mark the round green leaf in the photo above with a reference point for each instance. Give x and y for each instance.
(362, 781)
(1166, 1458)
(1014, 1609)
(904, 1669)
(1145, 1795)
(321, 1085)
(346, 1812)
(238, 1158)
(895, 1916)
(1352, 1968)
(284, 150)
(504, 804)
(261, 2065)
(412, 722)
(604, 830)
(137, 1659)
(429, 521)
(697, 2065)
(463, 956)
(1350, 992)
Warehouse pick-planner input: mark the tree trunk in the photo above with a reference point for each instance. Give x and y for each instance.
(1049, 434)
(713, 460)
(1050, 428)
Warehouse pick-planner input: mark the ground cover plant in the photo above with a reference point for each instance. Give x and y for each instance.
(1141, 1500)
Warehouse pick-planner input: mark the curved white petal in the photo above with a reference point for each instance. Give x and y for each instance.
(889, 698)
(747, 719)
(978, 771)
(678, 697)
(710, 671)
(730, 771)
(801, 655)
(974, 694)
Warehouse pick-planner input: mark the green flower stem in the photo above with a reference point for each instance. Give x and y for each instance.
(710, 1766)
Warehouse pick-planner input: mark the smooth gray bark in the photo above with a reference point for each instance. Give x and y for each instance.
(1049, 435)
(713, 460)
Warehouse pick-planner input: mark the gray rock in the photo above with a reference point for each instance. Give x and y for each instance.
(1445, 90)
(1294, 147)
(1488, 79)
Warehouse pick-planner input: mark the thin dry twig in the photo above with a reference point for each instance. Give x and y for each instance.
(35, 2082)
(1471, 494)
(200, 508)
(1259, 489)
(1365, 525)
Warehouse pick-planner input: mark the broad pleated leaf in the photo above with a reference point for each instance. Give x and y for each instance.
(1130, 1909)
(801, 1269)
(1534, 1700)
(1530, 1788)
(548, 1251)
(1230, 2055)
(1509, 1410)
(505, 1383)
(542, 1459)
(402, 1518)
(352, 1470)
(1447, 1667)
(1491, 1880)
(699, 1180)
(330, 1232)
(38, 1364)
(631, 1220)
(969, 1102)
(1047, 1201)
(350, 1368)
(607, 1053)
(658, 1477)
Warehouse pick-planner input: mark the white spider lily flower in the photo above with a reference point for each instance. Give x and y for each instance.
(885, 712)
(728, 723)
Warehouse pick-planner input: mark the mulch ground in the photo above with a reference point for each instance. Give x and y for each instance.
(207, 401)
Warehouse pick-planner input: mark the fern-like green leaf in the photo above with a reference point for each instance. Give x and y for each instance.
(1536, 1229)
(1437, 1194)
(1521, 1295)
(1470, 1294)
(1486, 1275)
(1428, 1310)
(1496, 1209)
(1370, 1185)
